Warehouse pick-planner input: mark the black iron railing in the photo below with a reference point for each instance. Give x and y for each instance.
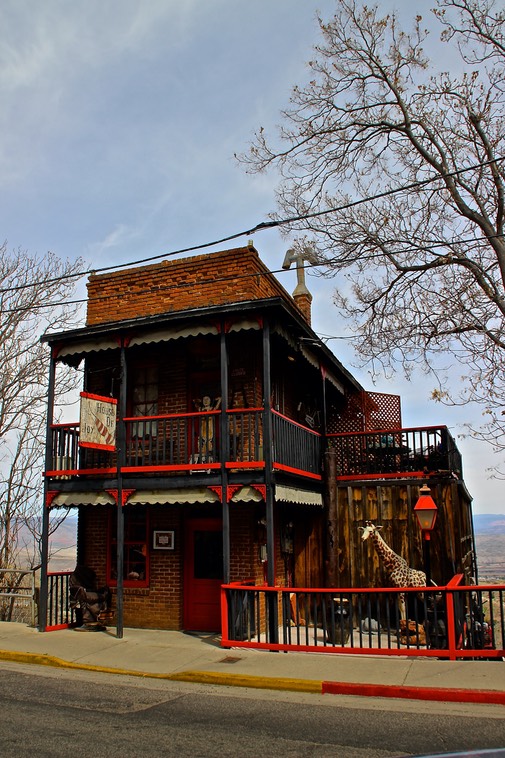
(59, 612)
(295, 446)
(191, 441)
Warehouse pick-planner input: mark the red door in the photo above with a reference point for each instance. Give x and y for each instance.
(203, 575)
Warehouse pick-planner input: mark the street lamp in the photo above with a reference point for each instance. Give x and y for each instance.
(426, 514)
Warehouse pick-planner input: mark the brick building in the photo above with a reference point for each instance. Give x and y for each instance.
(228, 406)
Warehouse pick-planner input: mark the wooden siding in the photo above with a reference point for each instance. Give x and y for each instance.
(391, 505)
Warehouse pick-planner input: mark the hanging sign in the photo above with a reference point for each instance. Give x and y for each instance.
(98, 422)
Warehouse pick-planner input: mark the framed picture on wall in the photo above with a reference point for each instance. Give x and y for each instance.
(163, 540)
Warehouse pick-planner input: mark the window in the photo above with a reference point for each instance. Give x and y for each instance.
(136, 548)
(144, 399)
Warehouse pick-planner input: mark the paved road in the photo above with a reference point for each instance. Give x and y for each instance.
(48, 712)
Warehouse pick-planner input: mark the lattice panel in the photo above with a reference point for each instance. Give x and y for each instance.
(367, 412)
(383, 411)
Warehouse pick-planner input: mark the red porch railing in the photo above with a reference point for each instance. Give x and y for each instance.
(444, 622)
(188, 442)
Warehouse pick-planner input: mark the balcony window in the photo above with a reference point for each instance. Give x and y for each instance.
(144, 399)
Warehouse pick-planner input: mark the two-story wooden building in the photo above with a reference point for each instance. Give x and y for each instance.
(230, 413)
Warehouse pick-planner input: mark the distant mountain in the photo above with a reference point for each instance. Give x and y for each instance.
(489, 523)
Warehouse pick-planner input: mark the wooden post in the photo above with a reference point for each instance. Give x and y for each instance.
(121, 461)
(44, 560)
(330, 475)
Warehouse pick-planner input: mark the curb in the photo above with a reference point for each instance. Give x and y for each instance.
(317, 687)
(441, 694)
(197, 677)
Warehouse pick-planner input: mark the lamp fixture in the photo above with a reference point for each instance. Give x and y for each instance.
(426, 511)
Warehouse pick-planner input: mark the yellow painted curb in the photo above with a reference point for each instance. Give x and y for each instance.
(197, 677)
(247, 680)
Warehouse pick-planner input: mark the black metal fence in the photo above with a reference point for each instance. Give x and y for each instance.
(296, 446)
(59, 612)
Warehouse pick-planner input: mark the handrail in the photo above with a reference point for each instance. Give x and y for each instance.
(387, 430)
(13, 590)
(296, 423)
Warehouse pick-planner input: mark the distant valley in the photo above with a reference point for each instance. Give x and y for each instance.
(490, 545)
(489, 541)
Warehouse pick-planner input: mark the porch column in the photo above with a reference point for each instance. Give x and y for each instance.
(44, 557)
(225, 453)
(121, 461)
(269, 482)
(329, 469)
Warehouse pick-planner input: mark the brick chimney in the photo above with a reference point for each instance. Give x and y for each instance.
(304, 302)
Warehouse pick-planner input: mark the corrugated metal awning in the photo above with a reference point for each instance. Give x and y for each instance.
(80, 348)
(67, 499)
(180, 496)
(294, 495)
(153, 336)
(165, 335)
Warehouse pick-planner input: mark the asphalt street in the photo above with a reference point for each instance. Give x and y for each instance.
(49, 712)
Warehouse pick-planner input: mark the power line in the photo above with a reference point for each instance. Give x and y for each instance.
(213, 280)
(262, 226)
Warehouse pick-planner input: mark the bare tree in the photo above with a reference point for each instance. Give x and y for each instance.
(33, 292)
(392, 168)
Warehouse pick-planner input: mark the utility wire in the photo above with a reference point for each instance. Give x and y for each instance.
(166, 288)
(259, 228)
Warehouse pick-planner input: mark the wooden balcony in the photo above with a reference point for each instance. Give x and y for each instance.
(192, 442)
(390, 453)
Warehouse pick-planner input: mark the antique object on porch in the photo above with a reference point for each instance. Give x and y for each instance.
(92, 604)
(207, 431)
(399, 572)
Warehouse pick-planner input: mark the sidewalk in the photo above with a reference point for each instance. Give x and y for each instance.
(199, 658)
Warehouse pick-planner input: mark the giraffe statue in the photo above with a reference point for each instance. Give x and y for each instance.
(396, 567)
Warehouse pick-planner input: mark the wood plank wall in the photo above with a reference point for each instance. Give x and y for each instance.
(392, 507)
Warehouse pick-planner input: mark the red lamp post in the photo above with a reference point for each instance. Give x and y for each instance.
(426, 514)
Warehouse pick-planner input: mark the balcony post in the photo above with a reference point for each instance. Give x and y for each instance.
(224, 453)
(330, 482)
(121, 460)
(44, 549)
(269, 496)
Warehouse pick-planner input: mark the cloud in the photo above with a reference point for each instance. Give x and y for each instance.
(119, 237)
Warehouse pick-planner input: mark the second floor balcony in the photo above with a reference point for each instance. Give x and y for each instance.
(204, 441)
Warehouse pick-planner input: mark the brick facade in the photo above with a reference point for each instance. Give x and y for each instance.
(160, 605)
(231, 276)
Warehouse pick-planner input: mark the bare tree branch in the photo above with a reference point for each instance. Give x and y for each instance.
(421, 272)
(23, 386)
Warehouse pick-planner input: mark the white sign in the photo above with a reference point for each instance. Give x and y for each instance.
(98, 422)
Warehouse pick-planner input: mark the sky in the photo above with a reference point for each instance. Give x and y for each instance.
(119, 122)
